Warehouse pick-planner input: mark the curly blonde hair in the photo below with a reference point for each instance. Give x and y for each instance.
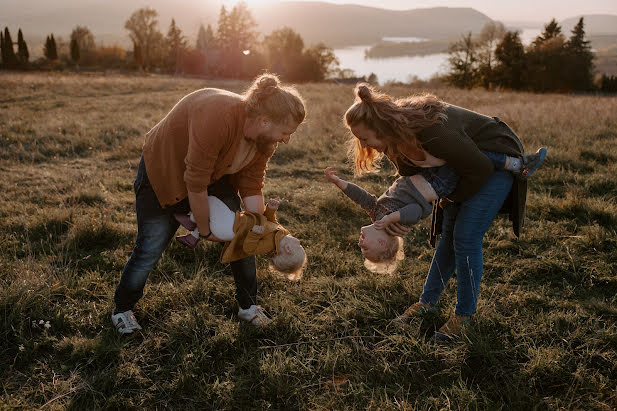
(394, 121)
(388, 260)
(289, 265)
(266, 96)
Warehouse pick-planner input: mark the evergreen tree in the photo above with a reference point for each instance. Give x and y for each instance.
(2, 52)
(176, 44)
(510, 55)
(546, 60)
(22, 50)
(50, 50)
(204, 40)
(579, 59)
(235, 33)
(551, 31)
(9, 58)
(75, 53)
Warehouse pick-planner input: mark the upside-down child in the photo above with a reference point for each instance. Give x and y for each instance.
(247, 234)
(408, 200)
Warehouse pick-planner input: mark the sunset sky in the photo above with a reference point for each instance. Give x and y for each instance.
(520, 10)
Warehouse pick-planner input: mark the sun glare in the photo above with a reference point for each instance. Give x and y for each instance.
(250, 3)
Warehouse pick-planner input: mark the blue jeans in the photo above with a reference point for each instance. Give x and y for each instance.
(460, 246)
(155, 229)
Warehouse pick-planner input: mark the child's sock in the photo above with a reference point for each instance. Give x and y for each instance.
(192, 218)
(513, 164)
(195, 232)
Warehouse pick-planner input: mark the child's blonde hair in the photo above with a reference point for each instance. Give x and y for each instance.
(388, 259)
(290, 265)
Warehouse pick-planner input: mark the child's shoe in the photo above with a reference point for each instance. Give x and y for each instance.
(415, 310)
(452, 330)
(185, 221)
(532, 162)
(188, 240)
(254, 315)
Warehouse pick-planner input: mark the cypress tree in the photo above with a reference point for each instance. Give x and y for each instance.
(9, 57)
(2, 56)
(53, 47)
(22, 50)
(50, 48)
(46, 48)
(510, 54)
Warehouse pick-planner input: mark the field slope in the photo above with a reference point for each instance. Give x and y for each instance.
(545, 332)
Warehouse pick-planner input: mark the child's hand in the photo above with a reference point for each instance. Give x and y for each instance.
(258, 229)
(383, 223)
(273, 204)
(386, 220)
(334, 179)
(331, 175)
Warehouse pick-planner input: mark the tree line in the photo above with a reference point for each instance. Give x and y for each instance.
(551, 63)
(233, 50)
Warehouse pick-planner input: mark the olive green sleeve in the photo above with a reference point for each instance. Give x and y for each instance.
(459, 151)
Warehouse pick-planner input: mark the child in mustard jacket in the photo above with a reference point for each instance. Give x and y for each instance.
(248, 234)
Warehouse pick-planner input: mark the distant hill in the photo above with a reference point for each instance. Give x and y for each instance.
(595, 24)
(335, 25)
(344, 25)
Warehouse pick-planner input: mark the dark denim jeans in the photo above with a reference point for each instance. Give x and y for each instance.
(460, 246)
(155, 229)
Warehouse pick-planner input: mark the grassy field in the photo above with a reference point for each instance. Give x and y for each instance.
(544, 337)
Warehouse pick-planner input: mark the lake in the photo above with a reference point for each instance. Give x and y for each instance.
(404, 68)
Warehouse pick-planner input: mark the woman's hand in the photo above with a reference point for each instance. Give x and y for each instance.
(398, 229)
(334, 179)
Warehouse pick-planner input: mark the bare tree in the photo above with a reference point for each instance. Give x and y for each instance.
(462, 62)
(144, 32)
(490, 36)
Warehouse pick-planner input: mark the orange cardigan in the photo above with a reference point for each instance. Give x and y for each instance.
(194, 145)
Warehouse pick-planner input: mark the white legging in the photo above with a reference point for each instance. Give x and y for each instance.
(221, 219)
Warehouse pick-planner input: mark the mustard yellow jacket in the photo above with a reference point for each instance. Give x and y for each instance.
(246, 243)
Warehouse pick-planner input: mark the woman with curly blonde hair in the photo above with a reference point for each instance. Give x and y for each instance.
(473, 164)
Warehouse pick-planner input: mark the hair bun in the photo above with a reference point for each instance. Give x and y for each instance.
(267, 80)
(363, 91)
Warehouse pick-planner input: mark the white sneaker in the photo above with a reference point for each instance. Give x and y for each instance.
(125, 322)
(254, 315)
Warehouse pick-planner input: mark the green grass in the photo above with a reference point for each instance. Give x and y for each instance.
(544, 336)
